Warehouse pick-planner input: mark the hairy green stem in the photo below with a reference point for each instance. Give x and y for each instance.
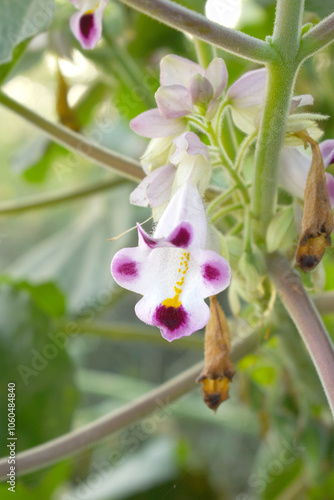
(279, 90)
(307, 321)
(52, 199)
(317, 38)
(126, 167)
(195, 24)
(157, 399)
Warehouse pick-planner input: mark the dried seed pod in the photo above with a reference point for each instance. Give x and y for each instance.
(317, 224)
(218, 370)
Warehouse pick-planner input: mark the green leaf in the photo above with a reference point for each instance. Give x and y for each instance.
(21, 20)
(33, 356)
(18, 51)
(322, 9)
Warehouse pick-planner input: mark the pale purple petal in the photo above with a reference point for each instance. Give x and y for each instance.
(201, 90)
(174, 101)
(217, 75)
(189, 143)
(176, 70)
(248, 90)
(293, 170)
(152, 124)
(330, 188)
(327, 151)
(155, 189)
(301, 100)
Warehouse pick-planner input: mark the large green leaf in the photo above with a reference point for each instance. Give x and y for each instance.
(77, 258)
(34, 357)
(21, 20)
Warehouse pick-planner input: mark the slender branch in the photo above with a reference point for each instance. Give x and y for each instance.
(307, 321)
(317, 38)
(126, 167)
(52, 199)
(122, 332)
(69, 444)
(195, 24)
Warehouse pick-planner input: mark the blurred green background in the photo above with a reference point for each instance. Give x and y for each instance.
(68, 333)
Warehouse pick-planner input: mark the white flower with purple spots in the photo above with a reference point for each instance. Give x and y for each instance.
(172, 269)
(295, 166)
(86, 24)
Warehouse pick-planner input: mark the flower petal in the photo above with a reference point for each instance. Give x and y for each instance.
(174, 101)
(152, 124)
(176, 70)
(215, 272)
(155, 189)
(301, 100)
(174, 323)
(327, 151)
(330, 188)
(293, 171)
(185, 206)
(248, 90)
(127, 269)
(217, 75)
(188, 143)
(87, 25)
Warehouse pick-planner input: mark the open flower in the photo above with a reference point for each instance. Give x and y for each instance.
(184, 85)
(295, 166)
(172, 269)
(86, 24)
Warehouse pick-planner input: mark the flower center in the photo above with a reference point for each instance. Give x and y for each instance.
(182, 271)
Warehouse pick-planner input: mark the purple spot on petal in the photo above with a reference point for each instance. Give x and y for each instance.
(211, 273)
(182, 238)
(170, 317)
(86, 24)
(128, 269)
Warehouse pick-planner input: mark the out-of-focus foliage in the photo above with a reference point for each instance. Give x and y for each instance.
(274, 435)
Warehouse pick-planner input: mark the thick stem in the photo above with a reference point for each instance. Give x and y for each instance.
(157, 399)
(191, 22)
(317, 38)
(126, 167)
(280, 83)
(307, 321)
(52, 199)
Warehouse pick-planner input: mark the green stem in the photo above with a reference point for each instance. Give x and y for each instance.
(227, 162)
(204, 52)
(243, 150)
(307, 321)
(157, 399)
(226, 211)
(186, 20)
(280, 83)
(219, 199)
(317, 38)
(49, 200)
(122, 332)
(126, 167)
